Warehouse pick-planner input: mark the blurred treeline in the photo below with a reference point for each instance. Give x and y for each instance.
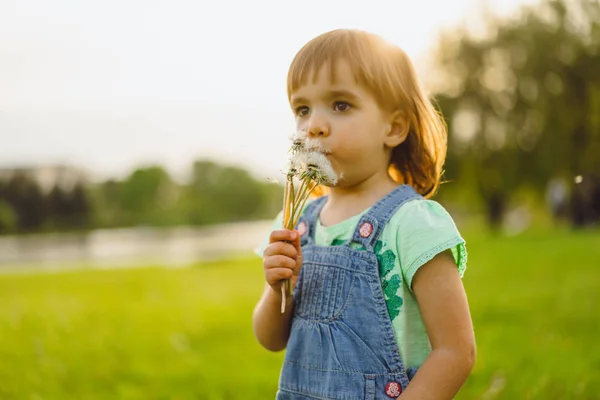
(521, 99)
(213, 194)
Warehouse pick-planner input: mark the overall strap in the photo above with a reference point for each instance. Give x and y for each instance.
(372, 223)
(308, 220)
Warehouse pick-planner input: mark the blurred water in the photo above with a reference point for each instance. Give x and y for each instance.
(117, 248)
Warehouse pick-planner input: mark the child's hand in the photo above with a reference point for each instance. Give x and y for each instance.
(282, 259)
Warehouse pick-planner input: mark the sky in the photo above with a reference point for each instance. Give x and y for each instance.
(114, 85)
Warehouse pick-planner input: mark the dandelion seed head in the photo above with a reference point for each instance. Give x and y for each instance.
(308, 160)
(299, 135)
(299, 159)
(292, 167)
(326, 174)
(315, 145)
(316, 159)
(329, 177)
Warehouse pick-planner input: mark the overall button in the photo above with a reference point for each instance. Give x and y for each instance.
(301, 228)
(366, 229)
(393, 390)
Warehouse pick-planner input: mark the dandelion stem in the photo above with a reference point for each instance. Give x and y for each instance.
(286, 200)
(296, 215)
(292, 199)
(283, 295)
(299, 197)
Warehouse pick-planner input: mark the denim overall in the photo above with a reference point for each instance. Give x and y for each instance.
(342, 343)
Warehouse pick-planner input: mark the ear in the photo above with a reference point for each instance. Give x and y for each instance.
(398, 129)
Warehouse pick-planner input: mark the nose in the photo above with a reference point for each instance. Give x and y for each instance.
(318, 126)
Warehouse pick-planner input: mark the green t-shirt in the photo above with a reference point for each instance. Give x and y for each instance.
(418, 231)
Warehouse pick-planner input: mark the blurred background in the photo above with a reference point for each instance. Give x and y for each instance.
(141, 145)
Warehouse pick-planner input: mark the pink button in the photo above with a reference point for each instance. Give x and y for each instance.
(393, 390)
(301, 228)
(366, 229)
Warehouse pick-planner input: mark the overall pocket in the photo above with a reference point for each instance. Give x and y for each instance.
(324, 291)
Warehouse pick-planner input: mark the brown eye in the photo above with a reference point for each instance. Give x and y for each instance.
(301, 111)
(341, 106)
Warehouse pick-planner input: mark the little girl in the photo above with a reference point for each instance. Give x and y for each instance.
(376, 266)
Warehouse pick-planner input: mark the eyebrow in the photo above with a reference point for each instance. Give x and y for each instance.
(330, 95)
(335, 94)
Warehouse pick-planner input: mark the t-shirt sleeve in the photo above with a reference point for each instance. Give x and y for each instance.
(277, 224)
(425, 230)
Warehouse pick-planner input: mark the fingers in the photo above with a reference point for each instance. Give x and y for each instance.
(279, 261)
(283, 235)
(275, 276)
(278, 268)
(281, 248)
(282, 258)
(286, 235)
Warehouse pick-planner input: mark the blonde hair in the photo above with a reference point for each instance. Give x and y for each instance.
(388, 74)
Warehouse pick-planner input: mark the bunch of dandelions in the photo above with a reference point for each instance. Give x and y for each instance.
(309, 165)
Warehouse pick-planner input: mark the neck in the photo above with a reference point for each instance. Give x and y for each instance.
(346, 201)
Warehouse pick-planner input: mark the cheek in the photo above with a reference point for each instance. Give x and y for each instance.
(353, 130)
(351, 148)
(357, 136)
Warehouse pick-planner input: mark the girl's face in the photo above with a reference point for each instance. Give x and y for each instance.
(356, 133)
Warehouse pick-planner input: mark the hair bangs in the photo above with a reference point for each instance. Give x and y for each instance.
(363, 53)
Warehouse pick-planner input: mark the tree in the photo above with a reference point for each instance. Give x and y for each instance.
(219, 193)
(523, 102)
(8, 217)
(25, 197)
(148, 196)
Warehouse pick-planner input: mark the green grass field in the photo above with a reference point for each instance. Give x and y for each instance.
(156, 333)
